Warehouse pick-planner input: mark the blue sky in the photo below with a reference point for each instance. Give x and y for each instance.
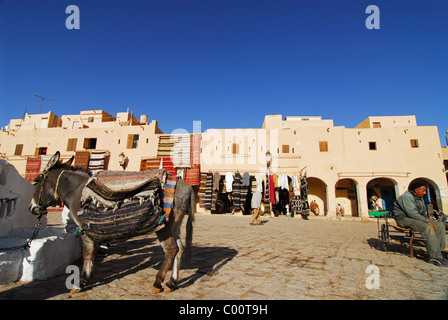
(227, 63)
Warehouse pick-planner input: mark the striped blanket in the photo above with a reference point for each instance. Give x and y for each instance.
(168, 195)
(33, 165)
(120, 205)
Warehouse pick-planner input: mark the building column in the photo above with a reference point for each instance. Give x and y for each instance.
(363, 204)
(331, 198)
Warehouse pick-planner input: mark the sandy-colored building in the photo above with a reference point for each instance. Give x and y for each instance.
(359, 167)
(44, 134)
(375, 161)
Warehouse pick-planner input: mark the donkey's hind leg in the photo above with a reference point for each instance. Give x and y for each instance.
(170, 248)
(171, 284)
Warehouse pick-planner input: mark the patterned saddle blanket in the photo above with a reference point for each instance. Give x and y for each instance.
(119, 204)
(110, 188)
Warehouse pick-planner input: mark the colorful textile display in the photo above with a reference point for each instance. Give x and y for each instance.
(82, 159)
(181, 153)
(97, 160)
(32, 168)
(168, 194)
(208, 191)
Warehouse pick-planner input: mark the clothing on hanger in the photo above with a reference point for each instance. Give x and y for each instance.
(229, 181)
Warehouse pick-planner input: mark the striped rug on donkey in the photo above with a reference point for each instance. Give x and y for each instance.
(111, 214)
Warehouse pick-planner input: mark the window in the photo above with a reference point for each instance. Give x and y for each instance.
(132, 141)
(235, 148)
(323, 146)
(377, 124)
(414, 143)
(89, 143)
(41, 151)
(71, 144)
(19, 150)
(90, 119)
(285, 148)
(372, 145)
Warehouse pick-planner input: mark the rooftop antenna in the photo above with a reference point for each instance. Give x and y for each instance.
(43, 98)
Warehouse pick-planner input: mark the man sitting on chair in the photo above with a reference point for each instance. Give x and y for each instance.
(410, 212)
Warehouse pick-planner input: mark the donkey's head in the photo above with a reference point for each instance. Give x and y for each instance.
(45, 186)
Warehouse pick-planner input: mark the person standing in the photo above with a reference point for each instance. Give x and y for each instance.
(255, 204)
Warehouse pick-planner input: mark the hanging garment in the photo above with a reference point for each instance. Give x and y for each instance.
(229, 182)
(246, 179)
(283, 182)
(304, 193)
(216, 179)
(201, 191)
(215, 191)
(245, 190)
(266, 193)
(275, 178)
(296, 185)
(296, 205)
(271, 188)
(208, 191)
(236, 193)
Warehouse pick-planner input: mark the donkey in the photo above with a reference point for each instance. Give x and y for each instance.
(62, 182)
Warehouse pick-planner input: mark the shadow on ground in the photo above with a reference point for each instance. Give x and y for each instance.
(399, 246)
(123, 259)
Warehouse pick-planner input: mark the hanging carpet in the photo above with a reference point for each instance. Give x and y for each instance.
(32, 168)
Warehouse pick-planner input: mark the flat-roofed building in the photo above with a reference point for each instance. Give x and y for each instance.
(370, 164)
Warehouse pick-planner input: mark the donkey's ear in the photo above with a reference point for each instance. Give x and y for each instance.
(69, 161)
(53, 161)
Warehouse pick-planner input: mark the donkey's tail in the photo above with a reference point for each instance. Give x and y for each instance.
(189, 235)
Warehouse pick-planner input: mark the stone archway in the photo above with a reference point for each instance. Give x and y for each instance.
(347, 193)
(318, 191)
(381, 193)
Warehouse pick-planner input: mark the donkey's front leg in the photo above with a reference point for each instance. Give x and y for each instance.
(89, 248)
